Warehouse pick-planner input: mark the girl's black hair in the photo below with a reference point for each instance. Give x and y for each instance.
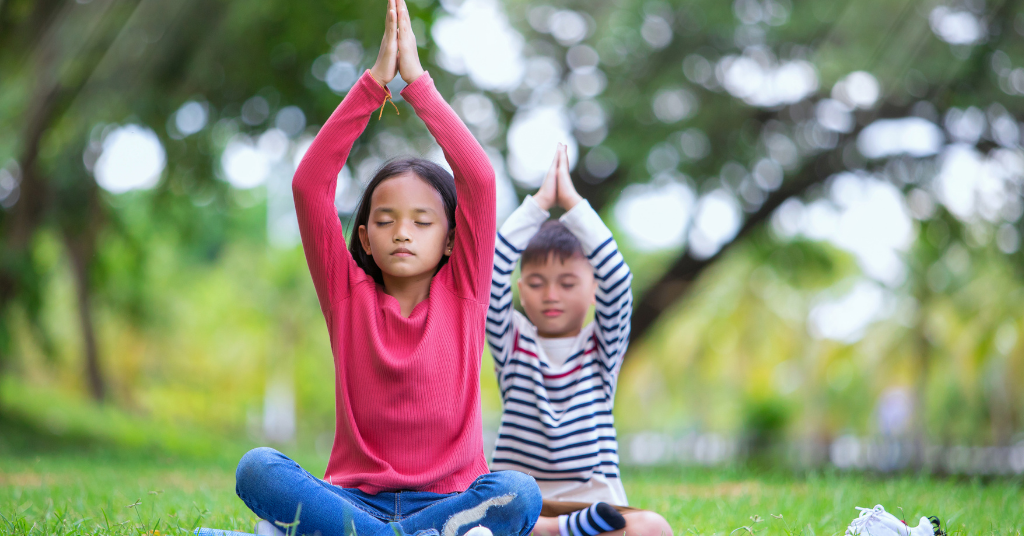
(435, 175)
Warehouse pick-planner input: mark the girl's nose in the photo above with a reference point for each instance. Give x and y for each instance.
(402, 233)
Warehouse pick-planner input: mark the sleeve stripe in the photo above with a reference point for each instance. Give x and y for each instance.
(599, 248)
(509, 244)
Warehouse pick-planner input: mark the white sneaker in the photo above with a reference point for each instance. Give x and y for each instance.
(266, 528)
(877, 522)
(479, 530)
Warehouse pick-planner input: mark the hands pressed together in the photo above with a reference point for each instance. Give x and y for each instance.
(398, 53)
(557, 188)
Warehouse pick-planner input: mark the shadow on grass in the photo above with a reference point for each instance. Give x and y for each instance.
(21, 436)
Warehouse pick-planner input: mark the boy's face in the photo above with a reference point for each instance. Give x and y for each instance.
(556, 294)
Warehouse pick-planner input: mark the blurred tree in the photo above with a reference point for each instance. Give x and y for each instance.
(751, 101)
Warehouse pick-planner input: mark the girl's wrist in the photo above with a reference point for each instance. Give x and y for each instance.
(377, 77)
(417, 72)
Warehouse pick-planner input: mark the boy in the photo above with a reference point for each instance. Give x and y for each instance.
(557, 376)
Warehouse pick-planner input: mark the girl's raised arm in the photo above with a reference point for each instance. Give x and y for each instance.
(475, 220)
(316, 178)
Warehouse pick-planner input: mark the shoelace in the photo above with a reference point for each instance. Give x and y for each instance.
(867, 515)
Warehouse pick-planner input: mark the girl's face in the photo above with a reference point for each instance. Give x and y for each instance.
(407, 231)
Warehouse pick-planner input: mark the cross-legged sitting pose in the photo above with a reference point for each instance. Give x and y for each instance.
(557, 376)
(405, 302)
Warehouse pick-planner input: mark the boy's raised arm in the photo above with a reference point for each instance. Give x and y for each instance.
(614, 297)
(512, 239)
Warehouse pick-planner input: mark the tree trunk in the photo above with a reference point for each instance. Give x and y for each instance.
(676, 281)
(922, 349)
(81, 249)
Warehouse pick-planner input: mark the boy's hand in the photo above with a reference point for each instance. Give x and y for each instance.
(387, 58)
(547, 196)
(408, 55)
(567, 195)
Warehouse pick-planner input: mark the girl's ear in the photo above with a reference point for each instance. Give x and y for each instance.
(449, 243)
(364, 239)
(593, 293)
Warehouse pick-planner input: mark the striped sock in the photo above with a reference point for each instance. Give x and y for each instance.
(600, 517)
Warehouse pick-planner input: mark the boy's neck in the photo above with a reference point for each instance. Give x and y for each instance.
(409, 291)
(563, 335)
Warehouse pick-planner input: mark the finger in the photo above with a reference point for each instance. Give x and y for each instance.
(395, 32)
(405, 23)
(552, 170)
(393, 4)
(395, 17)
(403, 14)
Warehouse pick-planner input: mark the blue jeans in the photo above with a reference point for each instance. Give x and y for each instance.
(274, 487)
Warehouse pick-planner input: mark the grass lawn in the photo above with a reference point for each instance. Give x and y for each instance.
(62, 478)
(118, 492)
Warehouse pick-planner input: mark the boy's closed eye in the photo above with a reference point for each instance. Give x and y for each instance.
(535, 282)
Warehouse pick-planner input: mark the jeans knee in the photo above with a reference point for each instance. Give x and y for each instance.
(525, 488)
(252, 466)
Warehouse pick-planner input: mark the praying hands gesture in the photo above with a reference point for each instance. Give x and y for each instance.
(557, 188)
(398, 53)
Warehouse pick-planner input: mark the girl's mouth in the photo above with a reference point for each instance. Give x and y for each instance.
(550, 313)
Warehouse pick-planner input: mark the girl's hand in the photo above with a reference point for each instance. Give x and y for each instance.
(567, 195)
(387, 58)
(547, 196)
(408, 55)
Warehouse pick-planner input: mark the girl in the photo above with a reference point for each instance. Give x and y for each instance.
(405, 305)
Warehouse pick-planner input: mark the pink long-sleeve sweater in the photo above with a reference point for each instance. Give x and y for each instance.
(407, 389)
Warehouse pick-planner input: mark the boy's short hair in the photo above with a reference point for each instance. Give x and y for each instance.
(553, 239)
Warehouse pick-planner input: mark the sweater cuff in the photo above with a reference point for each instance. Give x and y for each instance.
(420, 89)
(533, 211)
(522, 224)
(372, 88)
(586, 225)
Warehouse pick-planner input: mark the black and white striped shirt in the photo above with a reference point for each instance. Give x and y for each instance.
(557, 421)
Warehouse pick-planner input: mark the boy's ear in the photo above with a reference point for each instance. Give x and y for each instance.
(449, 244)
(364, 239)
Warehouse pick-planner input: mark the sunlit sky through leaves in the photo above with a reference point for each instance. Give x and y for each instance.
(860, 213)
